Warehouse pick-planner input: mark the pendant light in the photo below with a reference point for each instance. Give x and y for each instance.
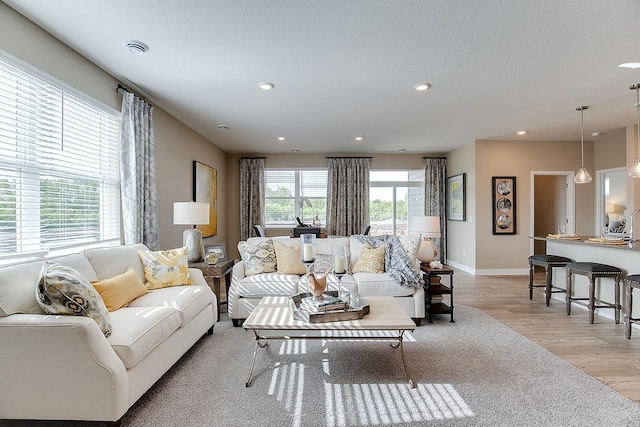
(634, 171)
(582, 177)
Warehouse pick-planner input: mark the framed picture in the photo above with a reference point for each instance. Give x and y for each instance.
(503, 189)
(205, 189)
(214, 253)
(456, 200)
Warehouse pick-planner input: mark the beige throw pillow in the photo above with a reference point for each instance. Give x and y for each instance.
(371, 260)
(119, 291)
(288, 259)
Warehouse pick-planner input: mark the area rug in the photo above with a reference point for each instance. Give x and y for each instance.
(475, 372)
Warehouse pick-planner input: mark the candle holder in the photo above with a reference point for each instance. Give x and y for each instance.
(340, 260)
(307, 249)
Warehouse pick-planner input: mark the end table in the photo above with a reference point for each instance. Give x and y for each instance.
(434, 287)
(213, 273)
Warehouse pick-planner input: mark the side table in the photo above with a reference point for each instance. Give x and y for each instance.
(215, 272)
(434, 287)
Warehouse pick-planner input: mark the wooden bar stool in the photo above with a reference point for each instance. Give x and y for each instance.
(548, 262)
(593, 270)
(632, 281)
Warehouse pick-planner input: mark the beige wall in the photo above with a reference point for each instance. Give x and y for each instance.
(176, 145)
(461, 237)
(609, 150)
(516, 158)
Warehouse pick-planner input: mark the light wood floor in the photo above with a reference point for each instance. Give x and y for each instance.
(600, 349)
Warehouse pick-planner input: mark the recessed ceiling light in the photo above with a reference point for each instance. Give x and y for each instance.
(265, 85)
(421, 87)
(631, 65)
(281, 138)
(594, 134)
(522, 132)
(223, 127)
(136, 47)
(359, 138)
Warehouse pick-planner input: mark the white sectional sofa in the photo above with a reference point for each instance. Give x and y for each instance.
(62, 367)
(246, 291)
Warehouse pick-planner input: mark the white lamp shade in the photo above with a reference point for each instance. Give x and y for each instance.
(190, 213)
(428, 226)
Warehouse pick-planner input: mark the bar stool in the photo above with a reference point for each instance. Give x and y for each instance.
(548, 262)
(593, 270)
(632, 281)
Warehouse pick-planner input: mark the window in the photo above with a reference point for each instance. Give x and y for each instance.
(393, 197)
(59, 177)
(295, 193)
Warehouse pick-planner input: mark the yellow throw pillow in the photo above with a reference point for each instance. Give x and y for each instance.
(371, 260)
(163, 269)
(119, 291)
(288, 259)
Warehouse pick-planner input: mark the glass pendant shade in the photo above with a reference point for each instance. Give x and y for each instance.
(634, 171)
(582, 176)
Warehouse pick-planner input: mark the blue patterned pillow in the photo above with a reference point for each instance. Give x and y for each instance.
(62, 290)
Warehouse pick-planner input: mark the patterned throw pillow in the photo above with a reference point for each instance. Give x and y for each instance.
(260, 258)
(62, 290)
(163, 269)
(288, 259)
(119, 291)
(371, 260)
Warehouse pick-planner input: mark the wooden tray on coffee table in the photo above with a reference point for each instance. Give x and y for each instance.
(358, 309)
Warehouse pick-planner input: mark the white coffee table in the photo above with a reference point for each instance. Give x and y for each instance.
(277, 314)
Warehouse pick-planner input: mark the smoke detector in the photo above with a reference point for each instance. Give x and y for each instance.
(136, 47)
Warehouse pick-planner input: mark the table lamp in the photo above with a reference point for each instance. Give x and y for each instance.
(191, 213)
(428, 227)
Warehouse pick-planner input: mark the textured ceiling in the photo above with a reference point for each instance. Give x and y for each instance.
(346, 68)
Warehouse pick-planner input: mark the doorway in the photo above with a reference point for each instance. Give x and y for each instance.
(552, 205)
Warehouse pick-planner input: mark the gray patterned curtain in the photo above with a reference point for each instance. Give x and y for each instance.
(138, 173)
(347, 195)
(435, 188)
(252, 192)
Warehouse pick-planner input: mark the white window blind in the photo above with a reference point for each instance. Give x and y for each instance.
(295, 193)
(59, 157)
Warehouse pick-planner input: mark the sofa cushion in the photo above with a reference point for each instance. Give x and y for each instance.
(268, 284)
(188, 300)
(380, 284)
(120, 290)
(110, 261)
(288, 258)
(138, 330)
(62, 290)
(371, 260)
(18, 289)
(163, 269)
(259, 258)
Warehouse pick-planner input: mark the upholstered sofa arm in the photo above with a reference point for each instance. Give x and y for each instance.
(198, 277)
(59, 367)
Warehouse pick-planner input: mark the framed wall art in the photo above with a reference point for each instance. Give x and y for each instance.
(456, 200)
(205, 189)
(503, 189)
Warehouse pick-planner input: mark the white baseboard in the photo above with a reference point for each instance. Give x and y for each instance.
(490, 272)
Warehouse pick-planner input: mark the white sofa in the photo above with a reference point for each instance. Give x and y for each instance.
(62, 367)
(247, 291)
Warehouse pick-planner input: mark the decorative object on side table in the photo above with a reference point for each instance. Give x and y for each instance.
(215, 252)
(191, 213)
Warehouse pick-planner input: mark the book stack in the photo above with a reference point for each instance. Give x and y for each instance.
(321, 305)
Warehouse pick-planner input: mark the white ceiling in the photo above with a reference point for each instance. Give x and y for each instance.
(344, 68)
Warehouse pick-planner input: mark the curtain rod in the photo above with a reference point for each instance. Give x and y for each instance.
(427, 157)
(330, 157)
(249, 158)
(125, 89)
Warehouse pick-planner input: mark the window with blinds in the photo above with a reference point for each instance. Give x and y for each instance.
(59, 177)
(295, 193)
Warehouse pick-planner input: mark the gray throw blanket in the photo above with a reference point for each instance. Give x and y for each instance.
(396, 263)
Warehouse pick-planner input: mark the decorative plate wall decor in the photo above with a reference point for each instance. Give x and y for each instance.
(503, 190)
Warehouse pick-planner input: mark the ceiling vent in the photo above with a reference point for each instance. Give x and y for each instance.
(136, 47)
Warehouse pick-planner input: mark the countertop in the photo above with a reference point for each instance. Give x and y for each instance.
(584, 240)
